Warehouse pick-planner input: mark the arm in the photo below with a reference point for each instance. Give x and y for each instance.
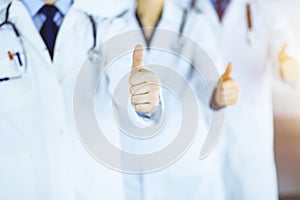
(144, 90)
(283, 48)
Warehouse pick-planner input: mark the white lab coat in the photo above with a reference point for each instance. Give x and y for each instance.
(249, 169)
(40, 154)
(188, 178)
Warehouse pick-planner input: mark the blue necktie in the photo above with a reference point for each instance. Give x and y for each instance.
(49, 28)
(220, 6)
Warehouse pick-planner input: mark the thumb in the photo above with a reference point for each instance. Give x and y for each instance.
(137, 57)
(282, 53)
(227, 73)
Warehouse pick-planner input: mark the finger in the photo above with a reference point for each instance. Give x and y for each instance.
(228, 86)
(232, 101)
(283, 49)
(151, 98)
(137, 57)
(289, 69)
(146, 108)
(227, 73)
(141, 77)
(232, 96)
(143, 88)
(229, 100)
(228, 83)
(282, 53)
(229, 97)
(230, 92)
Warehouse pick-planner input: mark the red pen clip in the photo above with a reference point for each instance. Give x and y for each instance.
(10, 55)
(249, 17)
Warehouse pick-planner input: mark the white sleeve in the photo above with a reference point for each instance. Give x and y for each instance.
(143, 120)
(281, 32)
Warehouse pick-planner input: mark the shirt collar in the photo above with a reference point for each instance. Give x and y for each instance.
(33, 6)
(63, 5)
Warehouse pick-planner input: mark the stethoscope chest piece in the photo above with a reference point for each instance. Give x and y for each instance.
(177, 46)
(95, 55)
(251, 38)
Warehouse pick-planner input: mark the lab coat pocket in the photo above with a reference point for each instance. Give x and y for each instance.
(16, 175)
(16, 93)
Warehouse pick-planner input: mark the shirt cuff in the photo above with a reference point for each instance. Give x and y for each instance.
(143, 120)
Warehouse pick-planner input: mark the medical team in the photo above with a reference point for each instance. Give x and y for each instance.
(41, 156)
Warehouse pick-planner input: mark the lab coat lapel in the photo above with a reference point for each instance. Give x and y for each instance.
(228, 19)
(23, 21)
(168, 21)
(211, 15)
(235, 10)
(134, 24)
(171, 20)
(68, 23)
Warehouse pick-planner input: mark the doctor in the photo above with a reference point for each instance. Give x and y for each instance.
(189, 178)
(40, 155)
(252, 34)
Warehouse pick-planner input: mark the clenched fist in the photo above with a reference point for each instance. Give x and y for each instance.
(289, 68)
(144, 85)
(227, 91)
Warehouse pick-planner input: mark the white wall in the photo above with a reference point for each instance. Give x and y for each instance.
(287, 117)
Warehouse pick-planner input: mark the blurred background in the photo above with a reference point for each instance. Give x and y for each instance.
(286, 100)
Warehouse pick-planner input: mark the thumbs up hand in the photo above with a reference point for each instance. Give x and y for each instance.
(289, 68)
(227, 91)
(144, 85)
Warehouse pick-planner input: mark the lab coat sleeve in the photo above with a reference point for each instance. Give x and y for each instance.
(207, 57)
(281, 32)
(204, 81)
(108, 29)
(205, 37)
(207, 53)
(143, 119)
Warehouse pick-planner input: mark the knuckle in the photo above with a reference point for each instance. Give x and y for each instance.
(157, 87)
(132, 99)
(132, 90)
(137, 107)
(131, 80)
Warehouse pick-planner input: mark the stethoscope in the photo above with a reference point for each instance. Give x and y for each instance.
(20, 58)
(250, 35)
(186, 10)
(16, 57)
